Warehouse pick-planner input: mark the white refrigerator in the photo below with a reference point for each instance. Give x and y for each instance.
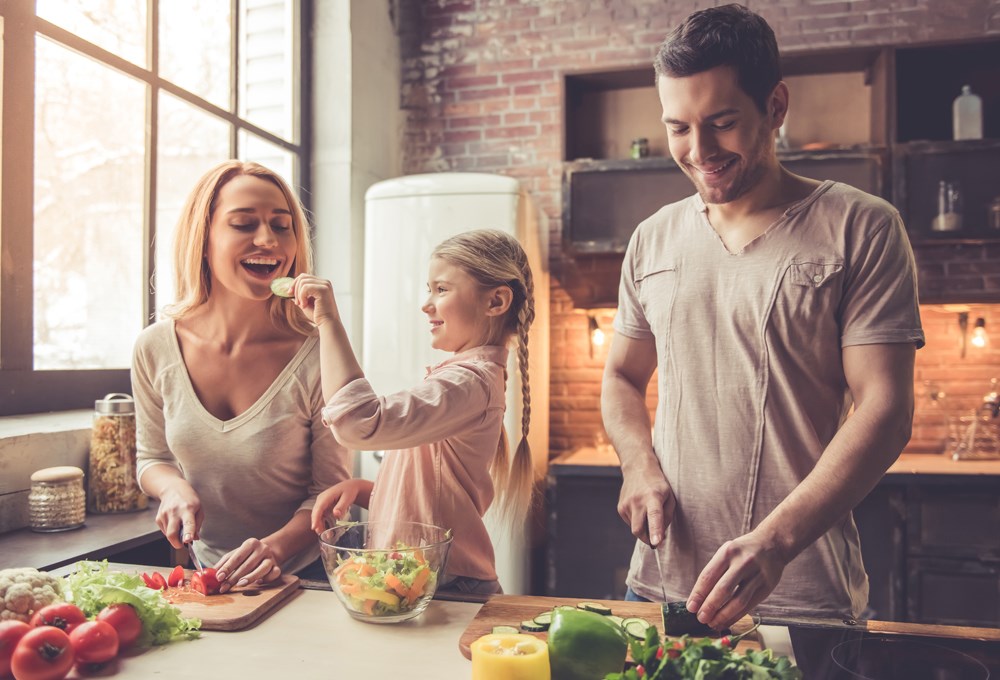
(405, 218)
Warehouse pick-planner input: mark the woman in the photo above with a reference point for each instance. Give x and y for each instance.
(230, 433)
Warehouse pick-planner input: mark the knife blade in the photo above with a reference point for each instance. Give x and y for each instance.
(194, 558)
(659, 569)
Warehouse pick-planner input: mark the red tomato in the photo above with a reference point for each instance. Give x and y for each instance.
(62, 615)
(94, 642)
(205, 582)
(124, 619)
(154, 580)
(176, 577)
(11, 633)
(44, 653)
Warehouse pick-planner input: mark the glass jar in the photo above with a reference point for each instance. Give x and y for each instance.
(57, 501)
(113, 486)
(640, 147)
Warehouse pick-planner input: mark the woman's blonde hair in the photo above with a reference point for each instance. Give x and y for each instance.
(191, 273)
(494, 258)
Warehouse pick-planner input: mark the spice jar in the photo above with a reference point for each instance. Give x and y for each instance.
(640, 147)
(57, 501)
(113, 486)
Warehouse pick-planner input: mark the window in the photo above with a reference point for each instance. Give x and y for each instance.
(111, 110)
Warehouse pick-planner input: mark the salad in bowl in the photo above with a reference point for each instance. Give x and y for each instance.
(384, 572)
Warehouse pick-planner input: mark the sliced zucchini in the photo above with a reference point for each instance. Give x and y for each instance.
(636, 627)
(543, 619)
(617, 619)
(595, 607)
(505, 629)
(530, 626)
(282, 286)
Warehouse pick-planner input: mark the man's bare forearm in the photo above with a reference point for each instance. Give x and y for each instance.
(626, 420)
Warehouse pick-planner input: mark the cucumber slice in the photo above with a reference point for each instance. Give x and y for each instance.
(617, 619)
(595, 607)
(530, 626)
(505, 629)
(636, 627)
(543, 619)
(282, 286)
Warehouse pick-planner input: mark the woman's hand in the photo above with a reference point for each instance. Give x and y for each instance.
(179, 516)
(340, 497)
(315, 297)
(252, 562)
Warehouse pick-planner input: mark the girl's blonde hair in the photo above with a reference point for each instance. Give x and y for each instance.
(192, 277)
(494, 258)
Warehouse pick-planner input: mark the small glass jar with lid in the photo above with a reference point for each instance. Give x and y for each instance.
(57, 501)
(112, 484)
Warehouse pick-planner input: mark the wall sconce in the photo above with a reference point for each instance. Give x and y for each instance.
(979, 338)
(596, 334)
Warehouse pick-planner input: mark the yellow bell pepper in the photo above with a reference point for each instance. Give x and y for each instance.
(510, 656)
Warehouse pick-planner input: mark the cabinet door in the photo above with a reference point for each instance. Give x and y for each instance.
(954, 521)
(879, 518)
(589, 546)
(953, 592)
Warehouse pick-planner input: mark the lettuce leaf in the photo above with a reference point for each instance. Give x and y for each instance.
(93, 586)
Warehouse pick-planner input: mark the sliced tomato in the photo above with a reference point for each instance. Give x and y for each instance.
(63, 615)
(154, 580)
(205, 582)
(176, 577)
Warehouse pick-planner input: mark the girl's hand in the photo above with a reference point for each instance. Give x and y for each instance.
(340, 497)
(315, 297)
(179, 516)
(252, 562)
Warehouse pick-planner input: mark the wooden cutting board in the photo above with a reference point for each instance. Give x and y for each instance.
(237, 609)
(510, 610)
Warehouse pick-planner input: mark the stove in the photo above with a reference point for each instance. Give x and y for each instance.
(825, 654)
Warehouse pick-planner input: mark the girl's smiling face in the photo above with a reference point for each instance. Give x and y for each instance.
(457, 308)
(251, 240)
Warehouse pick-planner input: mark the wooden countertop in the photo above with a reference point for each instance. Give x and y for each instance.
(907, 464)
(100, 535)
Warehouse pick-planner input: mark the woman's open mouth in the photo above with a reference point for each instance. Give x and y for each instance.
(261, 267)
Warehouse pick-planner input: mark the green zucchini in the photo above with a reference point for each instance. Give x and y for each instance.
(505, 629)
(636, 627)
(530, 626)
(595, 607)
(677, 620)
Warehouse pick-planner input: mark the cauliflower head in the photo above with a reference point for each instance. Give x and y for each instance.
(24, 590)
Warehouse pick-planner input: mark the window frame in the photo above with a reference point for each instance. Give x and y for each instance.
(22, 388)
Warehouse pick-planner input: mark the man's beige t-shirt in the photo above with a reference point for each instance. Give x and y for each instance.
(750, 378)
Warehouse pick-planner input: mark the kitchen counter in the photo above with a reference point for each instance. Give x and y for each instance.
(589, 460)
(100, 536)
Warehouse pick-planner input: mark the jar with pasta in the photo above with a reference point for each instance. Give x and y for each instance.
(112, 483)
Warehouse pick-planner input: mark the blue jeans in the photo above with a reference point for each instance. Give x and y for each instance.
(632, 596)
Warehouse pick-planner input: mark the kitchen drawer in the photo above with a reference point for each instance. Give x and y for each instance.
(954, 522)
(953, 592)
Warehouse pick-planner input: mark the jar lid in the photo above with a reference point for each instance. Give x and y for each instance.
(61, 473)
(115, 403)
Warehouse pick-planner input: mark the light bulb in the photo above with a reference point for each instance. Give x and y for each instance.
(597, 337)
(979, 333)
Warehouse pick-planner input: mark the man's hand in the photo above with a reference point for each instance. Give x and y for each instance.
(740, 575)
(646, 503)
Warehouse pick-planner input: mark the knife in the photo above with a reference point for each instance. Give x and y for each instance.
(194, 558)
(659, 569)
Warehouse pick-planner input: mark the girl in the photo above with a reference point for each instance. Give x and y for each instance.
(446, 446)
(227, 390)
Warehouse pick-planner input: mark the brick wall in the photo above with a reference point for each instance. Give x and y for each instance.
(481, 84)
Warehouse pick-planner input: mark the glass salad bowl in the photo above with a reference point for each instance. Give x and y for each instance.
(385, 572)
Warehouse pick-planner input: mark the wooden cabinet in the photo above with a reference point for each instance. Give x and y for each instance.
(878, 118)
(930, 542)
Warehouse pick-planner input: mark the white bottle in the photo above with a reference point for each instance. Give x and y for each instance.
(967, 115)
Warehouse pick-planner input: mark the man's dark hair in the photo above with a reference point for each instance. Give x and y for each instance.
(729, 35)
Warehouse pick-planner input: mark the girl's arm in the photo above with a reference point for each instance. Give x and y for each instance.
(338, 364)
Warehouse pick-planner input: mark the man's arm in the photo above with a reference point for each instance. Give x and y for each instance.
(646, 502)
(744, 571)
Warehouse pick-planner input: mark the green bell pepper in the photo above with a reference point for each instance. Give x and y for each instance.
(584, 645)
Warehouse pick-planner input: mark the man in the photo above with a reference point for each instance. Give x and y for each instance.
(769, 303)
